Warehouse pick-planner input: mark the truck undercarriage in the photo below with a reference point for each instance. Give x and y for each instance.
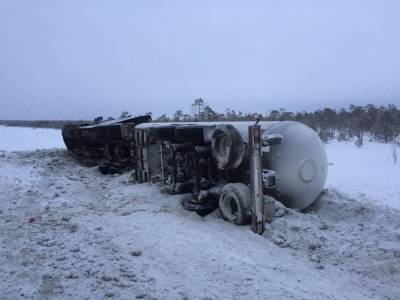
(218, 165)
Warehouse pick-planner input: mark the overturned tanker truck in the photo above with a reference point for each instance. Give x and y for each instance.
(242, 168)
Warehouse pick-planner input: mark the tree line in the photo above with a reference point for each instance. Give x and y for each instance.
(380, 123)
(355, 123)
(55, 124)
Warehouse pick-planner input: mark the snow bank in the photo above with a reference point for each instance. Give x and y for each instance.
(21, 138)
(367, 173)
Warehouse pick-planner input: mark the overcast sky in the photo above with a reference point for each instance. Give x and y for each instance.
(80, 59)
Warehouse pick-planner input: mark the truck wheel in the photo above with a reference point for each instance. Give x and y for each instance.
(201, 208)
(235, 203)
(227, 147)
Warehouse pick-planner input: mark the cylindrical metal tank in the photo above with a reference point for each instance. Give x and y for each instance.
(300, 161)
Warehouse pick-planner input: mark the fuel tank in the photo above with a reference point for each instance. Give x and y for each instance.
(300, 162)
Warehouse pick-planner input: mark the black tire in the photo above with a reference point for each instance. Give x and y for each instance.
(235, 203)
(227, 147)
(202, 209)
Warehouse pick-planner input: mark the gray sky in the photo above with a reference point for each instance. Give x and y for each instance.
(79, 59)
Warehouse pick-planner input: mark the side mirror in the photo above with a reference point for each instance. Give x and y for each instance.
(272, 139)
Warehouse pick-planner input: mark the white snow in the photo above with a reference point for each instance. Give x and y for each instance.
(68, 232)
(24, 138)
(367, 173)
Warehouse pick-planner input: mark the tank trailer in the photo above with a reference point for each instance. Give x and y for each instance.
(242, 168)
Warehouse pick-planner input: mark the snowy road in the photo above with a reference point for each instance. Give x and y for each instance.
(68, 232)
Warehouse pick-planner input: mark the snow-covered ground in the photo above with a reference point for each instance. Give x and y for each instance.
(367, 173)
(24, 138)
(68, 232)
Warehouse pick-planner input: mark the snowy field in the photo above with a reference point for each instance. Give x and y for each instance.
(24, 138)
(367, 173)
(68, 232)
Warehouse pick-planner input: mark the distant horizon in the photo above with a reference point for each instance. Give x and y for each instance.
(308, 107)
(188, 111)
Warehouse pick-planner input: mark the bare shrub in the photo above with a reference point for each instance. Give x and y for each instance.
(395, 150)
